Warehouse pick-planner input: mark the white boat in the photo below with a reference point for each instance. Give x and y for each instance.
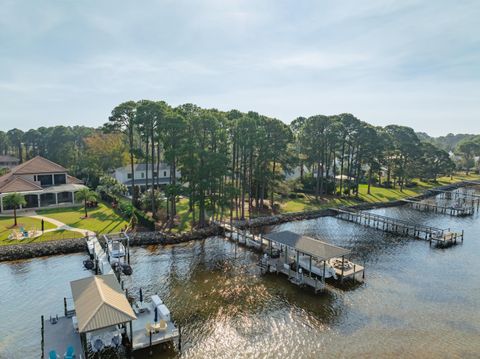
(317, 267)
(338, 263)
(116, 249)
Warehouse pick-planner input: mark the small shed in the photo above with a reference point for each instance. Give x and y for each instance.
(100, 303)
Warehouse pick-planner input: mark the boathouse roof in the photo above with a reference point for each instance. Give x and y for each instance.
(307, 245)
(100, 303)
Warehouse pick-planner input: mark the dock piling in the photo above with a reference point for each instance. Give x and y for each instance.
(43, 337)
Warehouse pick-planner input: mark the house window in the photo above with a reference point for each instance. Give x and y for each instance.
(143, 174)
(164, 173)
(60, 179)
(45, 180)
(35, 178)
(129, 176)
(154, 174)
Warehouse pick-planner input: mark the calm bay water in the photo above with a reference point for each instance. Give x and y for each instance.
(417, 301)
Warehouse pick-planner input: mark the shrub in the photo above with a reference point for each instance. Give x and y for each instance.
(126, 209)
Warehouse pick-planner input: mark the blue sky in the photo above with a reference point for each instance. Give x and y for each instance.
(415, 63)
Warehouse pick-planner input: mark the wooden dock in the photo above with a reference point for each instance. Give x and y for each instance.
(278, 265)
(288, 263)
(141, 338)
(472, 198)
(398, 226)
(58, 334)
(457, 211)
(102, 264)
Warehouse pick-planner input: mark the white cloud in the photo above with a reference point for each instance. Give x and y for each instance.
(410, 62)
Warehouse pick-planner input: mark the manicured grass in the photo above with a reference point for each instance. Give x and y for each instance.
(6, 225)
(102, 219)
(377, 194)
(6, 228)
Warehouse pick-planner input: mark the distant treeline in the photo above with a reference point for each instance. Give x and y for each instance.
(236, 160)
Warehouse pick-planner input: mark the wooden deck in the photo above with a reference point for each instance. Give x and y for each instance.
(141, 339)
(61, 335)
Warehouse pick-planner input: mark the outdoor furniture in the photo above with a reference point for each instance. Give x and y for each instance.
(15, 235)
(148, 328)
(140, 307)
(70, 353)
(53, 355)
(161, 326)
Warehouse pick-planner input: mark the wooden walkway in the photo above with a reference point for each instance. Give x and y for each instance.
(457, 211)
(398, 226)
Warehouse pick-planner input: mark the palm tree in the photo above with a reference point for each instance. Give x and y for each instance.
(85, 195)
(14, 200)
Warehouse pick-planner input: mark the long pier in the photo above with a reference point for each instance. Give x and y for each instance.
(457, 211)
(398, 226)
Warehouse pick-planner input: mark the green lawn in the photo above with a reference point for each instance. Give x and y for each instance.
(6, 228)
(102, 219)
(377, 194)
(6, 225)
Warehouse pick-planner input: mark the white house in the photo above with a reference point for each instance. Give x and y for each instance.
(124, 175)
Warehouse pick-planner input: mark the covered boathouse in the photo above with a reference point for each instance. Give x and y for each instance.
(307, 261)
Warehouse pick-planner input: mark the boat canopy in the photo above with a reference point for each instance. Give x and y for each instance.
(307, 245)
(100, 303)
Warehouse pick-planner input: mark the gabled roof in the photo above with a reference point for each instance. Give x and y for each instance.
(18, 184)
(38, 165)
(100, 303)
(8, 158)
(307, 245)
(73, 180)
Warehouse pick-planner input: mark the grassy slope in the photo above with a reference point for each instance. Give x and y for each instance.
(102, 219)
(378, 194)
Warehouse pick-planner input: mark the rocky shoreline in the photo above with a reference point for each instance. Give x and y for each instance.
(67, 246)
(300, 216)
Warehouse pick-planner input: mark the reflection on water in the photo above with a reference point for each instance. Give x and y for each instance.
(417, 301)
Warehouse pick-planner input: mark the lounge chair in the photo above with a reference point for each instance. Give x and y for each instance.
(159, 327)
(70, 353)
(162, 326)
(148, 328)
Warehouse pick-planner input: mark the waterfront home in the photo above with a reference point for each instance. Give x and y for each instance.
(42, 182)
(124, 175)
(9, 162)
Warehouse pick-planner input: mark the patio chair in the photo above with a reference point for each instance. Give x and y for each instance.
(162, 326)
(53, 355)
(148, 328)
(70, 353)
